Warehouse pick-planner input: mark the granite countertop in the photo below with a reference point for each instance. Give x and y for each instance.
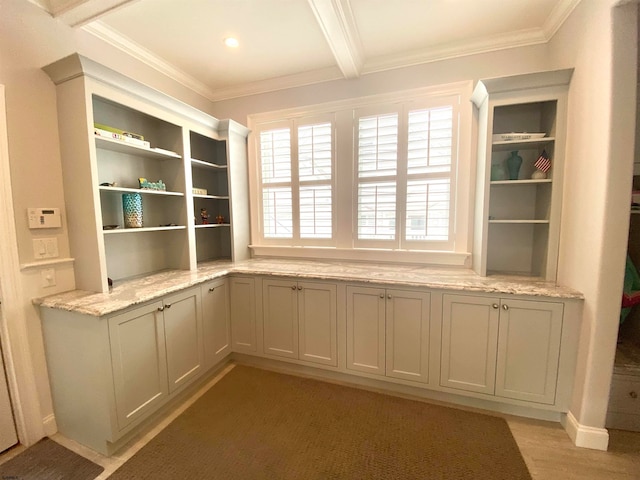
(132, 292)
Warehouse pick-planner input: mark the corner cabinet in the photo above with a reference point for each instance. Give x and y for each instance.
(116, 133)
(520, 120)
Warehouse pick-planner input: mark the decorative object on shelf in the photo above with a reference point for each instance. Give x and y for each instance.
(147, 185)
(108, 184)
(199, 191)
(204, 216)
(514, 162)
(116, 134)
(220, 219)
(515, 137)
(498, 172)
(543, 164)
(132, 209)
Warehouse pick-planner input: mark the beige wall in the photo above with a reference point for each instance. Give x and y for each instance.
(600, 142)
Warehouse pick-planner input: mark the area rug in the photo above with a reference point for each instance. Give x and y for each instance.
(48, 460)
(257, 424)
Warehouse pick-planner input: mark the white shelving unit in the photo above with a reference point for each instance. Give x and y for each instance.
(98, 171)
(518, 220)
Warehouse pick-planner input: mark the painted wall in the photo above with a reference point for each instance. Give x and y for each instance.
(600, 41)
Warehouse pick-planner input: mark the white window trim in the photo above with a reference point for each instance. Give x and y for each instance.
(344, 247)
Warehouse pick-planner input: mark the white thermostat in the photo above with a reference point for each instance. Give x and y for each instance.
(44, 217)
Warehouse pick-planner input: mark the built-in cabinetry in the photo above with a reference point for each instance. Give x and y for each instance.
(501, 346)
(388, 332)
(110, 373)
(216, 320)
(243, 314)
(299, 320)
(184, 149)
(518, 206)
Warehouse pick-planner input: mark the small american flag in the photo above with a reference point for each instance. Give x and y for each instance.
(544, 162)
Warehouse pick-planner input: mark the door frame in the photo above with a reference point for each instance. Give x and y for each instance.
(13, 322)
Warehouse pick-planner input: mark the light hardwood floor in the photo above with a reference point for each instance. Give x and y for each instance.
(545, 446)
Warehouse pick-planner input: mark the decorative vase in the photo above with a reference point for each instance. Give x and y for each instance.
(132, 209)
(513, 164)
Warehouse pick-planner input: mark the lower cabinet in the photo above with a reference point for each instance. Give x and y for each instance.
(216, 319)
(299, 320)
(499, 346)
(242, 294)
(109, 373)
(388, 332)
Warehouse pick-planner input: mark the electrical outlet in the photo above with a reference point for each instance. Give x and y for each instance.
(48, 276)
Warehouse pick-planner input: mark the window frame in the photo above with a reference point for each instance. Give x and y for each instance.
(345, 181)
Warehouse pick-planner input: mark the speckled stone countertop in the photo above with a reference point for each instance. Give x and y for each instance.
(137, 291)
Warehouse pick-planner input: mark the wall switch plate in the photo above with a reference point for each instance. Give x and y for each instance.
(48, 276)
(45, 248)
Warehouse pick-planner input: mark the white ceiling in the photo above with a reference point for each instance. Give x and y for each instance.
(285, 43)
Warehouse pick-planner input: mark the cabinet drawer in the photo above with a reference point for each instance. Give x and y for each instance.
(625, 394)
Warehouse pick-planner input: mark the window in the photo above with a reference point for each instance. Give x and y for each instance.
(366, 176)
(296, 183)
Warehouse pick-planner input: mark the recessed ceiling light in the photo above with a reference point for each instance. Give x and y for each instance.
(231, 42)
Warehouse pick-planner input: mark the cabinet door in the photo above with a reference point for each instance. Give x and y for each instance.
(138, 361)
(407, 338)
(469, 342)
(528, 350)
(280, 303)
(365, 329)
(243, 314)
(216, 321)
(183, 336)
(317, 317)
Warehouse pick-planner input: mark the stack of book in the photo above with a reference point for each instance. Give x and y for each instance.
(117, 134)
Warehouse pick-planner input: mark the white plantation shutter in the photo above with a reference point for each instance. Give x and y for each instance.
(377, 165)
(296, 181)
(275, 162)
(315, 160)
(429, 166)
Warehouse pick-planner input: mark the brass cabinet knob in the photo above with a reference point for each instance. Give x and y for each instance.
(633, 394)
(505, 307)
(211, 289)
(382, 295)
(495, 305)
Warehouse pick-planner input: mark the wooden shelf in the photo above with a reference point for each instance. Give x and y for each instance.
(123, 147)
(142, 230)
(505, 146)
(203, 164)
(214, 225)
(212, 197)
(518, 222)
(143, 191)
(521, 182)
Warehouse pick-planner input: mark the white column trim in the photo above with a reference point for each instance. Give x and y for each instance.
(583, 435)
(13, 322)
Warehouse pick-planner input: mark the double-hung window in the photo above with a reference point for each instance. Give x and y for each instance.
(296, 182)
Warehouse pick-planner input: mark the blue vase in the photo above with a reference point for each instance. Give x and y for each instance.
(514, 162)
(132, 209)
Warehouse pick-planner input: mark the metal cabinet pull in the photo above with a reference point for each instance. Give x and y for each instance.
(382, 295)
(212, 289)
(299, 287)
(505, 307)
(161, 309)
(495, 305)
(389, 296)
(293, 287)
(167, 306)
(633, 394)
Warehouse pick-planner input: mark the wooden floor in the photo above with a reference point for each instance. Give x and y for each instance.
(545, 446)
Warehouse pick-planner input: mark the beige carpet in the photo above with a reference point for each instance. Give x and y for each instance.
(48, 460)
(256, 424)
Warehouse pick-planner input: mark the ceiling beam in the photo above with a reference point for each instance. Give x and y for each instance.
(76, 13)
(336, 21)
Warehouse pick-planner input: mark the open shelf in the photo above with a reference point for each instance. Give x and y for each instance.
(143, 191)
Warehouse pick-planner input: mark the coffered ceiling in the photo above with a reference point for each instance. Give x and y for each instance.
(286, 43)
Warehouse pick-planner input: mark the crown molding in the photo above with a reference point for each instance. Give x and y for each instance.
(522, 38)
(128, 46)
(557, 17)
(338, 25)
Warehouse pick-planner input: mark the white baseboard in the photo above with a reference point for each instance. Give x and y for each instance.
(584, 436)
(49, 425)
